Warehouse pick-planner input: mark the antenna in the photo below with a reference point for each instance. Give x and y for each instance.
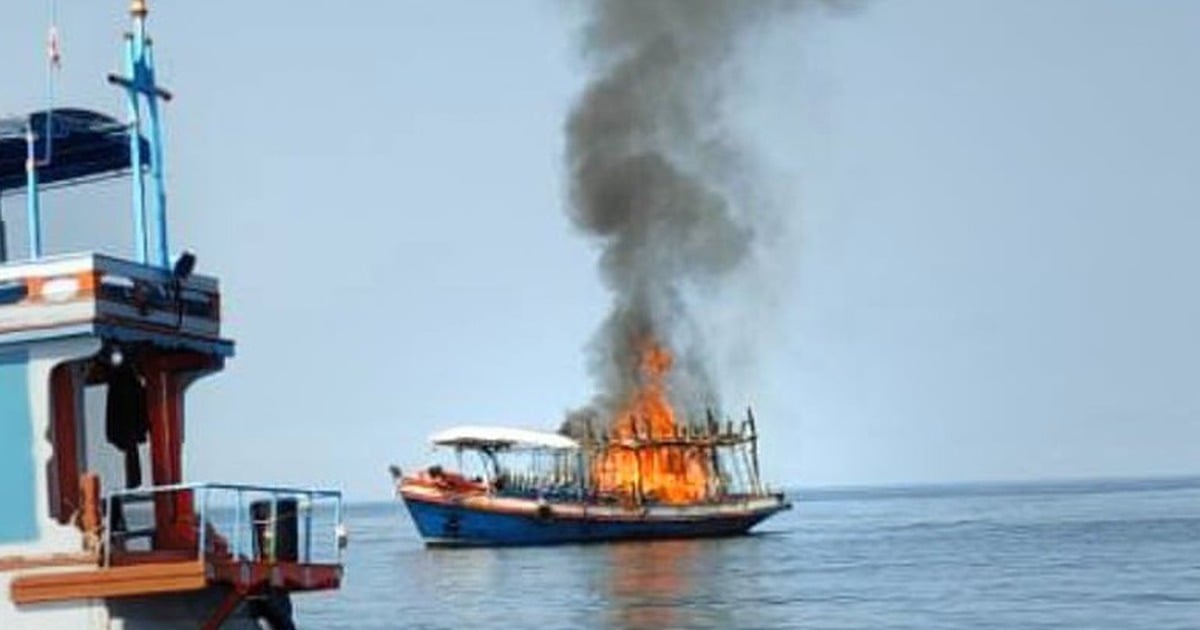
(33, 207)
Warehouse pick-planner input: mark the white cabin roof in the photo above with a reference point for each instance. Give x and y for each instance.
(475, 436)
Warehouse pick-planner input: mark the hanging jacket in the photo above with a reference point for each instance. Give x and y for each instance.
(126, 418)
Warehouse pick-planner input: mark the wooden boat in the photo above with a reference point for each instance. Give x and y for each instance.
(538, 488)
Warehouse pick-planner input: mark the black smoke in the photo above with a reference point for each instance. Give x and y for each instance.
(650, 158)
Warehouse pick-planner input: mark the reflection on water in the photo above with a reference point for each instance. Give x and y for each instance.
(667, 584)
(715, 583)
(646, 583)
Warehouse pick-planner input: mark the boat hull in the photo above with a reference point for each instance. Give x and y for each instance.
(493, 521)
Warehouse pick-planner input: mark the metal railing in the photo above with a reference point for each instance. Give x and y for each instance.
(240, 522)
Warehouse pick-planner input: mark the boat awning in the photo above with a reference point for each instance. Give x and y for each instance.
(501, 437)
(86, 144)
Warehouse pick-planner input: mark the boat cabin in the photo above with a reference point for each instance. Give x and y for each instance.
(505, 461)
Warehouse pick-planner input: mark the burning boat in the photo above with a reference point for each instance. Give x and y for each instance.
(648, 476)
(657, 183)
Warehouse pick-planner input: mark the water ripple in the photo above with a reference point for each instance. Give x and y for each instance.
(1112, 556)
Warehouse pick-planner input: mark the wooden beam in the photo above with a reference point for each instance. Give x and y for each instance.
(173, 518)
(228, 605)
(254, 577)
(64, 471)
(144, 579)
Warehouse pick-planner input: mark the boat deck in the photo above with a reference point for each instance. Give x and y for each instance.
(171, 576)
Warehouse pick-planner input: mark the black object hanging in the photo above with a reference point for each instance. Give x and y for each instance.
(126, 418)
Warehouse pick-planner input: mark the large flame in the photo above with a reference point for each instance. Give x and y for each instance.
(644, 456)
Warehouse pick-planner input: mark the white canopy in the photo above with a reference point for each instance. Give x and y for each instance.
(500, 437)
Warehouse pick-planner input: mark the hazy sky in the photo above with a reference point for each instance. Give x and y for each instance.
(987, 274)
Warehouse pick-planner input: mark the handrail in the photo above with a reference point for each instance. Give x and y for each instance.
(226, 519)
(176, 487)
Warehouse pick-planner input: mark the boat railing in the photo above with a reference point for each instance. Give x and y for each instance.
(230, 522)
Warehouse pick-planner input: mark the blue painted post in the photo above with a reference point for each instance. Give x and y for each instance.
(32, 195)
(156, 161)
(133, 46)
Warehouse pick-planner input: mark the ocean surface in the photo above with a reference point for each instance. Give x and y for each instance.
(1107, 554)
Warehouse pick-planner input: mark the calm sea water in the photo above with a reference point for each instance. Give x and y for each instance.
(1122, 555)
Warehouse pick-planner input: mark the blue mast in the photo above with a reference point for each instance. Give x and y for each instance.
(145, 153)
(32, 202)
(139, 82)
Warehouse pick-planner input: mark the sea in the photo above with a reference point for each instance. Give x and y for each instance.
(1082, 554)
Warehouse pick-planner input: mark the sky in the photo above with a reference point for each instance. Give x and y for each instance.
(981, 273)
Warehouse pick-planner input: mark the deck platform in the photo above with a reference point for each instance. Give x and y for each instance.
(94, 294)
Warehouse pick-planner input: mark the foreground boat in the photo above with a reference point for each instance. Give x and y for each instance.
(536, 488)
(99, 528)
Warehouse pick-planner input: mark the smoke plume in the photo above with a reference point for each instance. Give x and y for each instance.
(652, 163)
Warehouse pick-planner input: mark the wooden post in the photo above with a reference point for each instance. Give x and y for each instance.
(638, 488)
(754, 449)
(90, 518)
(714, 460)
(64, 468)
(166, 449)
(587, 455)
(167, 377)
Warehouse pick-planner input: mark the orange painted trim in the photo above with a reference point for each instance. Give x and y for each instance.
(85, 282)
(529, 509)
(457, 502)
(33, 288)
(145, 579)
(88, 281)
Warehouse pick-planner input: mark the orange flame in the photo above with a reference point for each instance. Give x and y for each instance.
(641, 460)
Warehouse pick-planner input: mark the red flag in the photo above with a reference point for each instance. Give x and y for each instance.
(52, 48)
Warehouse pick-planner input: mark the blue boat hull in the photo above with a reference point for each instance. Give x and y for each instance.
(448, 524)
